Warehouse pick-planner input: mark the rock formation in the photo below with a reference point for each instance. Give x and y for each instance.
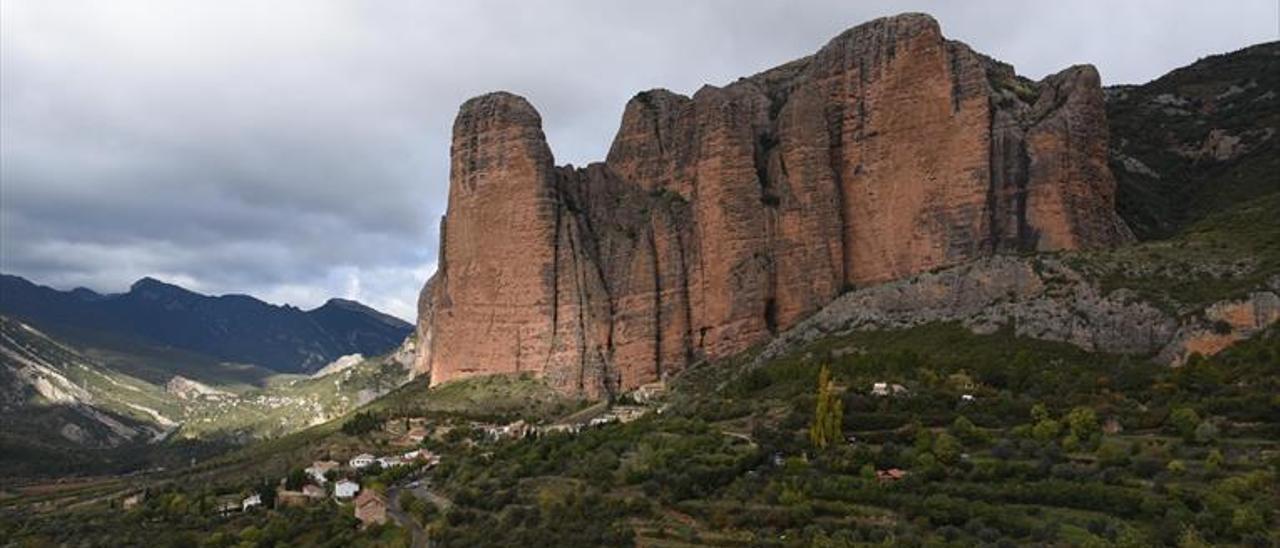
(719, 220)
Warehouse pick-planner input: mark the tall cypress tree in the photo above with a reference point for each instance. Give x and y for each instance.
(828, 414)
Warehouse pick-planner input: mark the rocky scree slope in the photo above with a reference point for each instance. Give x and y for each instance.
(722, 219)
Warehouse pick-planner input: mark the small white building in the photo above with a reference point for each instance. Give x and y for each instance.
(345, 489)
(647, 393)
(133, 500)
(966, 397)
(885, 389)
(362, 460)
(251, 501)
(319, 468)
(390, 462)
(603, 420)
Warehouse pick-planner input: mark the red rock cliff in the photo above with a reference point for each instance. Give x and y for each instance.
(720, 219)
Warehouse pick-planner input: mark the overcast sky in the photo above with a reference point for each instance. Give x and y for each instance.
(298, 151)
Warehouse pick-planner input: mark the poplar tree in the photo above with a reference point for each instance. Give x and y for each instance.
(828, 414)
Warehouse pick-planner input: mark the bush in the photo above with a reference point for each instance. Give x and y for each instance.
(1184, 421)
(1206, 432)
(362, 423)
(964, 429)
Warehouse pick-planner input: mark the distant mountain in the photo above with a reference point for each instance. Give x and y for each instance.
(65, 411)
(1197, 140)
(55, 402)
(236, 328)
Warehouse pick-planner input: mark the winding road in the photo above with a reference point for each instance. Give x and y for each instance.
(420, 537)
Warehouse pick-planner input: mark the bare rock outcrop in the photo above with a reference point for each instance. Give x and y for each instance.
(1041, 298)
(720, 220)
(1223, 324)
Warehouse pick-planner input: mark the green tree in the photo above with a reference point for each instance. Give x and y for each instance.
(1206, 432)
(1132, 537)
(947, 448)
(924, 440)
(295, 480)
(250, 534)
(1246, 520)
(1046, 430)
(1040, 413)
(964, 429)
(1214, 461)
(828, 414)
(1113, 454)
(1190, 538)
(1184, 421)
(1083, 423)
(267, 491)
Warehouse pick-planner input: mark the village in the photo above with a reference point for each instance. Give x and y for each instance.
(346, 481)
(365, 483)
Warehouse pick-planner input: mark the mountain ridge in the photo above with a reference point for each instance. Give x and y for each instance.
(232, 327)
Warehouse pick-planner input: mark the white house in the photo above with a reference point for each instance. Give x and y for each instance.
(390, 462)
(966, 397)
(362, 460)
(345, 489)
(319, 468)
(885, 389)
(252, 501)
(602, 420)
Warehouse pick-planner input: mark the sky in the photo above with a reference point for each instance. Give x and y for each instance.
(298, 150)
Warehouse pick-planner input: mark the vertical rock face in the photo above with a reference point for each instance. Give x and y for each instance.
(720, 219)
(512, 293)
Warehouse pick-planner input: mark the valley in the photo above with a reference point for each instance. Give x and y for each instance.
(888, 294)
(123, 407)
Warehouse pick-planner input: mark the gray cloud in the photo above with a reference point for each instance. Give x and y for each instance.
(299, 150)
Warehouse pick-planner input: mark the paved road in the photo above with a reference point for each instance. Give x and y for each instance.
(420, 537)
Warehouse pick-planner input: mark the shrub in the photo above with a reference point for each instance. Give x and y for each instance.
(1206, 432)
(1184, 421)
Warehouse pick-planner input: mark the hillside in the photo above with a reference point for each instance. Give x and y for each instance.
(233, 328)
(68, 412)
(1196, 140)
(54, 400)
(993, 438)
(692, 344)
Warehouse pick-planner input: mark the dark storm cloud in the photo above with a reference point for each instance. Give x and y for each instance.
(298, 151)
